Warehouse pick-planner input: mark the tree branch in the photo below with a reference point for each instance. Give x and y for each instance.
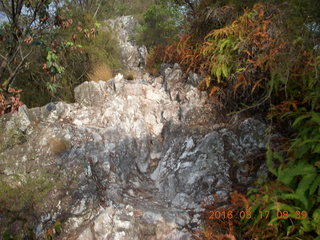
(6, 9)
(8, 83)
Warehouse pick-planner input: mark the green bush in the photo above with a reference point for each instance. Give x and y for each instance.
(160, 25)
(295, 190)
(80, 47)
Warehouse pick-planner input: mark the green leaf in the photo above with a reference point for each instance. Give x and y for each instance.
(289, 229)
(301, 189)
(301, 168)
(315, 185)
(218, 73)
(316, 117)
(225, 70)
(273, 217)
(278, 156)
(288, 208)
(306, 225)
(269, 158)
(316, 149)
(316, 216)
(223, 43)
(58, 227)
(299, 119)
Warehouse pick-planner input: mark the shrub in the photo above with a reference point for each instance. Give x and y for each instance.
(58, 59)
(159, 26)
(100, 72)
(154, 59)
(236, 59)
(79, 49)
(295, 191)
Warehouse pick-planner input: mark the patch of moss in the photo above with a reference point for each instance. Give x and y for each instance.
(12, 137)
(19, 195)
(58, 145)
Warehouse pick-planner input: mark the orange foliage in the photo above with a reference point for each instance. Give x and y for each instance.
(253, 45)
(9, 100)
(154, 59)
(243, 62)
(186, 52)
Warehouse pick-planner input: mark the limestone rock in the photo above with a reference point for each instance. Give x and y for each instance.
(133, 56)
(135, 159)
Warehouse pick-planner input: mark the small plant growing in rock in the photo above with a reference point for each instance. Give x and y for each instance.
(100, 72)
(57, 145)
(130, 75)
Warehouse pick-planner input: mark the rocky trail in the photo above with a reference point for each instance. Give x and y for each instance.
(130, 159)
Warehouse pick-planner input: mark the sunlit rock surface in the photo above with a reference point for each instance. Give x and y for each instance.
(130, 159)
(133, 56)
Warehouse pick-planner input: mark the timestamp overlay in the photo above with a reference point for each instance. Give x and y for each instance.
(247, 214)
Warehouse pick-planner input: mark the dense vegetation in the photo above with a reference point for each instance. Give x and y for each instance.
(254, 56)
(262, 57)
(48, 47)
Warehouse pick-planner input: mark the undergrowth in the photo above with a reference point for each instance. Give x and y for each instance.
(262, 62)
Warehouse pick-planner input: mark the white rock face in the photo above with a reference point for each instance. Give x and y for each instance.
(130, 159)
(133, 56)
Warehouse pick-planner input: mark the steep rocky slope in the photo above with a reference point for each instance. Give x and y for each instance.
(132, 55)
(130, 159)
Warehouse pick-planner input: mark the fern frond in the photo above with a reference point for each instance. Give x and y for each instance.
(269, 162)
(301, 168)
(314, 185)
